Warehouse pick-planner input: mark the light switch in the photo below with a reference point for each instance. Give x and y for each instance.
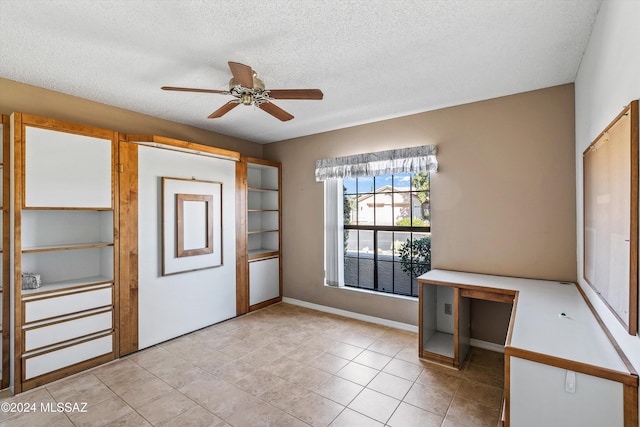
(570, 382)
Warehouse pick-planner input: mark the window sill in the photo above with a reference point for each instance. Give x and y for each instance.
(369, 292)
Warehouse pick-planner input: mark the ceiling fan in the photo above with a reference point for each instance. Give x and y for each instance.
(248, 89)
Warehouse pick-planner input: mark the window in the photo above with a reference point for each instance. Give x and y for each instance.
(377, 219)
(387, 232)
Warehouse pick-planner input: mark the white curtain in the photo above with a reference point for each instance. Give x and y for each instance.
(403, 160)
(331, 171)
(333, 226)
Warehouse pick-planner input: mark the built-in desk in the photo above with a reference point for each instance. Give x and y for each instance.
(561, 366)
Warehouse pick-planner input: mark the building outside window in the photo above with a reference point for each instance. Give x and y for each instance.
(387, 232)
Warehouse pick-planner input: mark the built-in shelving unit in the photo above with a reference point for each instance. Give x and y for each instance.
(444, 324)
(263, 209)
(66, 234)
(260, 234)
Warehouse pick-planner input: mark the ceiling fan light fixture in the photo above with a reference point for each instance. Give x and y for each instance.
(257, 83)
(247, 99)
(247, 89)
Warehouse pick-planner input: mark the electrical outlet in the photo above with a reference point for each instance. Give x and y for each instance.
(570, 382)
(448, 309)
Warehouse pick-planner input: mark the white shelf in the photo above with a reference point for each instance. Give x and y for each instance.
(67, 284)
(440, 343)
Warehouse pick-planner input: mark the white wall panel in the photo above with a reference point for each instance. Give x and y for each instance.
(538, 398)
(173, 305)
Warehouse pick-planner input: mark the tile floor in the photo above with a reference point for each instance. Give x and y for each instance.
(280, 366)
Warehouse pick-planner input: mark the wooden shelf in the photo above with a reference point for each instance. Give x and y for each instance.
(261, 231)
(262, 253)
(66, 247)
(262, 189)
(66, 284)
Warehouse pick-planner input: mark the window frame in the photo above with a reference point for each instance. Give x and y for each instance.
(375, 229)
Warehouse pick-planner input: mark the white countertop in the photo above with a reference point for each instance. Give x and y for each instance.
(539, 326)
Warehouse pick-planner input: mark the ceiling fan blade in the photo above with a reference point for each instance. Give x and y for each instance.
(295, 94)
(275, 111)
(243, 74)
(189, 89)
(223, 110)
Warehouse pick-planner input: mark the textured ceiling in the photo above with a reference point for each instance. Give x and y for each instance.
(373, 59)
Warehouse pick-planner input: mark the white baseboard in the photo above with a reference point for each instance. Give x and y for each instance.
(487, 345)
(380, 321)
(352, 315)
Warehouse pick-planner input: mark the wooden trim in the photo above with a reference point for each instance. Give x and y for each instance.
(242, 267)
(623, 356)
(40, 293)
(280, 252)
(512, 319)
(184, 145)
(420, 319)
(18, 180)
(572, 365)
(630, 405)
(456, 328)
(6, 246)
(264, 304)
(261, 162)
(633, 268)
(477, 289)
(68, 127)
(66, 247)
(488, 296)
(438, 359)
(67, 291)
(208, 201)
(507, 391)
(128, 278)
(64, 208)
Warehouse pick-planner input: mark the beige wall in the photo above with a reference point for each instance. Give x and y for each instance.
(503, 201)
(18, 97)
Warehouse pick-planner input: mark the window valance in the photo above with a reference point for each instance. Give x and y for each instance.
(403, 160)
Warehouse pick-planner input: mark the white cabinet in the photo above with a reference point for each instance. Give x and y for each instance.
(561, 367)
(66, 234)
(264, 280)
(594, 401)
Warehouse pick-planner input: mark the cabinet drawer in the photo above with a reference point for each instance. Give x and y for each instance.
(44, 336)
(53, 360)
(48, 307)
